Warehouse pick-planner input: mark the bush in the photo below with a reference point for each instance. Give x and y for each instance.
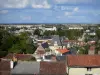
(3, 54)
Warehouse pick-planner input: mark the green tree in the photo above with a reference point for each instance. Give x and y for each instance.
(37, 32)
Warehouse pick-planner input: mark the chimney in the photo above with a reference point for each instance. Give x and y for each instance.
(53, 58)
(91, 50)
(98, 52)
(55, 43)
(43, 57)
(11, 64)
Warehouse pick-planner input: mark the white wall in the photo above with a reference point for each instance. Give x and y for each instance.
(77, 71)
(83, 71)
(96, 71)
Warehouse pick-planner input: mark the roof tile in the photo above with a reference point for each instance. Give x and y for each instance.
(84, 60)
(19, 56)
(56, 68)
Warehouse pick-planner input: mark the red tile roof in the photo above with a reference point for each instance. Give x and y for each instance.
(55, 68)
(63, 50)
(84, 60)
(19, 56)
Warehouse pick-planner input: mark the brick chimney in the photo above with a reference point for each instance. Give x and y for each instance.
(98, 52)
(53, 58)
(91, 50)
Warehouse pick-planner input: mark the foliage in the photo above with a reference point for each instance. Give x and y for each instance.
(98, 33)
(49, 33)
(11, 43)
(37, 32)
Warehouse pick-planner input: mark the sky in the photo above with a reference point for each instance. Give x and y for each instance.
(50, 11)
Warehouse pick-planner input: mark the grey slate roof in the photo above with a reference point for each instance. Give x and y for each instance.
(56, 38)
(61, 58)
(26, 68)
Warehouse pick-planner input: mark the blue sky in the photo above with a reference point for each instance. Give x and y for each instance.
(49, 11)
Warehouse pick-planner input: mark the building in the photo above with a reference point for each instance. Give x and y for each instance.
(39, 68)
(26, 68)
(20, 57)
(39, 53)
(83, 65)
(63, 51)
(4, 67)
(76, 27)
(91, 51)
(52, 68)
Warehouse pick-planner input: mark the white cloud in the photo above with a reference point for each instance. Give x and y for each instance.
(41, 4)
(71, 13)
(24, 3)
(76, 9)
(59, 17)
(14, 3)
(26, 17)
(3, 11)
(73, 1)
(68, 13)
(76, 16)
(61, 1)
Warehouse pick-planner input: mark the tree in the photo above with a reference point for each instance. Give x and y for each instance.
(16, 43)
(15, 48)
(49, 33)
(7, 41)
(73, 34)
(98, 33)
(37, 32)
(81, 50)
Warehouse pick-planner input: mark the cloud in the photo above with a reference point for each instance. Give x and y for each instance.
(24, 3)
(76, 9)
(26, 17)
(73, 1)
(68, 13)
(41, 4)
(13, 3)
(3, 11)
(61, 1)
(76, 16)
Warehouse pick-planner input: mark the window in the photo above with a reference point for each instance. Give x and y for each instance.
(88, 69)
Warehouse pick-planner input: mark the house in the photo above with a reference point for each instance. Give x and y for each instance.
(4, 67)
(56, 38)
(20, 57)
(54, 48)
(63, 51)
(39, 41)
(52, 68)
(39, 68)
(75, 27)
(49, 58)
(45, 45)
(71, 43)
(51, 28)
(26, 68)
(61, 58)
(91, 51)
(83, 64)
(39, 53)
